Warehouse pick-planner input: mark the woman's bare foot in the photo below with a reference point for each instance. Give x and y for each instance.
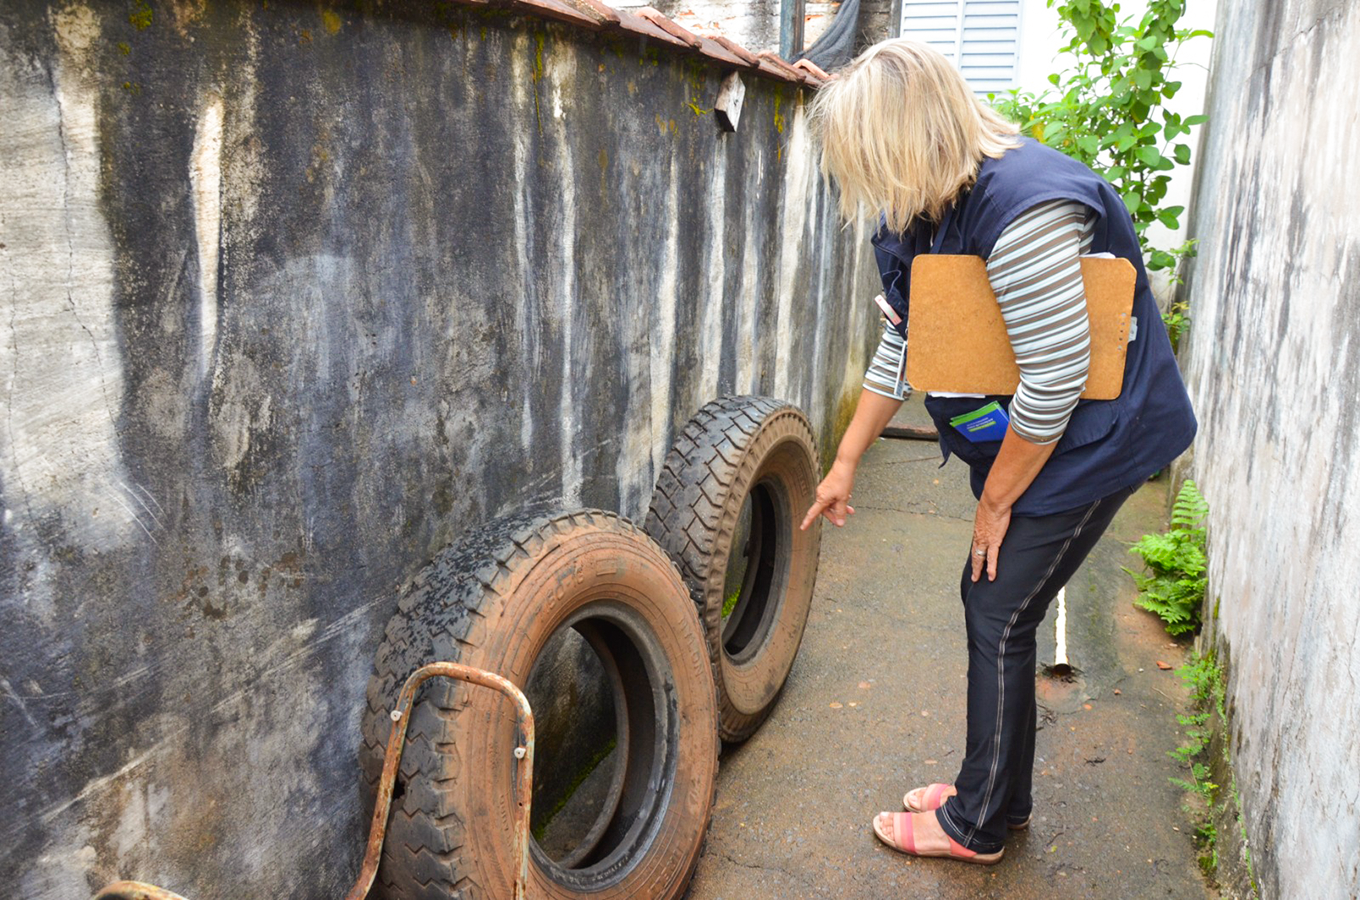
(930, 797)
(922, 835)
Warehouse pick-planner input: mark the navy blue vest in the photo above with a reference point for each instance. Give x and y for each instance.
(1108, 444)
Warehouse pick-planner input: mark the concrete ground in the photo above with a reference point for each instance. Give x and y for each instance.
(874, 707)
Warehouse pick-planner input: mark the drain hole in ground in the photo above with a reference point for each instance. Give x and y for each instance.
(1061, 671)
(578, 768)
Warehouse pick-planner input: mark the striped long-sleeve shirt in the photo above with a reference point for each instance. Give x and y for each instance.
(1035, 272)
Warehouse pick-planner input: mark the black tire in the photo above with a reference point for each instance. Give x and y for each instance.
(743, 460)
(496, 600)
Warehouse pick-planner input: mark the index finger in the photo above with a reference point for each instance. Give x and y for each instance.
(816, 510)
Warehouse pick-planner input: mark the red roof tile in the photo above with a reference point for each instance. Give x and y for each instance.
(648, 23)
(636, 24)
(738, 51)
(670, 26)
(558, 10)
(813, 69)
(714, 49)
(596, 9)
(788, 71)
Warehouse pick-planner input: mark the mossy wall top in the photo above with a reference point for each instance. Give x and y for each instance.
(291, 296)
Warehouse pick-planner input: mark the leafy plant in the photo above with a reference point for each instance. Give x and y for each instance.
(1176, 319)
(1108, 111)
(1205, 681)
(1208, 693)
(1197, 736)
(1174, 589)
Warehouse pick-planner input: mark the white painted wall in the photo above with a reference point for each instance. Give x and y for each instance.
(1273, 366)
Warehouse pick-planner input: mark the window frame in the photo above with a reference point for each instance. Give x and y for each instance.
(898, 13)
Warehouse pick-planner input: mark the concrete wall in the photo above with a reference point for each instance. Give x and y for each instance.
(1273, 362)
(291, 296)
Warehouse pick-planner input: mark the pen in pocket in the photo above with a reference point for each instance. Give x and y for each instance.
(888, 311)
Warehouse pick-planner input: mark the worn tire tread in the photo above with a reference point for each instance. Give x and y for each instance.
(422, 852)
(686, 512)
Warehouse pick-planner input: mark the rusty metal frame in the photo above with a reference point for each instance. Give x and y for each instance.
(524, 783)
(396, 744)
(135, 890)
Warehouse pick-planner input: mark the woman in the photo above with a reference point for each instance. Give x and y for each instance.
(905, 139)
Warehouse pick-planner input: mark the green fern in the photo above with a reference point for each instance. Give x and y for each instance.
(1199, 782)
(1190, 508)
(1175, 584)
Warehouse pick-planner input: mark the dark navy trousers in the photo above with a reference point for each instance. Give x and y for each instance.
(1037, 557)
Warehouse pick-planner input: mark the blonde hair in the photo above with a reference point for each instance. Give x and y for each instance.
(902, 133)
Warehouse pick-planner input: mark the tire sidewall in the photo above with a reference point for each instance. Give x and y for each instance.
(572, 573)
(779, 454)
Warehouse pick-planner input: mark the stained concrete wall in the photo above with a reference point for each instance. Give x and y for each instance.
(290, 297)
(1273, 363)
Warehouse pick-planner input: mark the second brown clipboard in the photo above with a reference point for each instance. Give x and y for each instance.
(957, 339)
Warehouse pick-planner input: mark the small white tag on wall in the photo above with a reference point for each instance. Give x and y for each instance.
(730, 97)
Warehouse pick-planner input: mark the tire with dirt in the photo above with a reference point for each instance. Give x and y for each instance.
(727, 506)
(497, 600)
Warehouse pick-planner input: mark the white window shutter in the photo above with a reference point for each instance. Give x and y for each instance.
(981, 37)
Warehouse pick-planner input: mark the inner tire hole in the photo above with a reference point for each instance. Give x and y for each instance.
(577, 768)
(601, 741)
(751, 570)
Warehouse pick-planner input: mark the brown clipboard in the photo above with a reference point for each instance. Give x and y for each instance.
(957, 339)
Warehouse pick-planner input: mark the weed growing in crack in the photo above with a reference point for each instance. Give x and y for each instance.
(731, 603)
(1204, 677)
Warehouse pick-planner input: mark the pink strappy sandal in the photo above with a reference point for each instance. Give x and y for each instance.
(930, 798)
(900, 834)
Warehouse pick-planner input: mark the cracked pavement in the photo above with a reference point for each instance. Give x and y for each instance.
(873, 707)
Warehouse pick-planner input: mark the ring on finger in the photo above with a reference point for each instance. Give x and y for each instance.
(979, 552)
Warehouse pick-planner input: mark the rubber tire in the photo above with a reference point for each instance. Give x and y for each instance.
(730, 446)
(493, 601)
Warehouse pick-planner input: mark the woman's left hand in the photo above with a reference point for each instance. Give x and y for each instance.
(989, 529)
